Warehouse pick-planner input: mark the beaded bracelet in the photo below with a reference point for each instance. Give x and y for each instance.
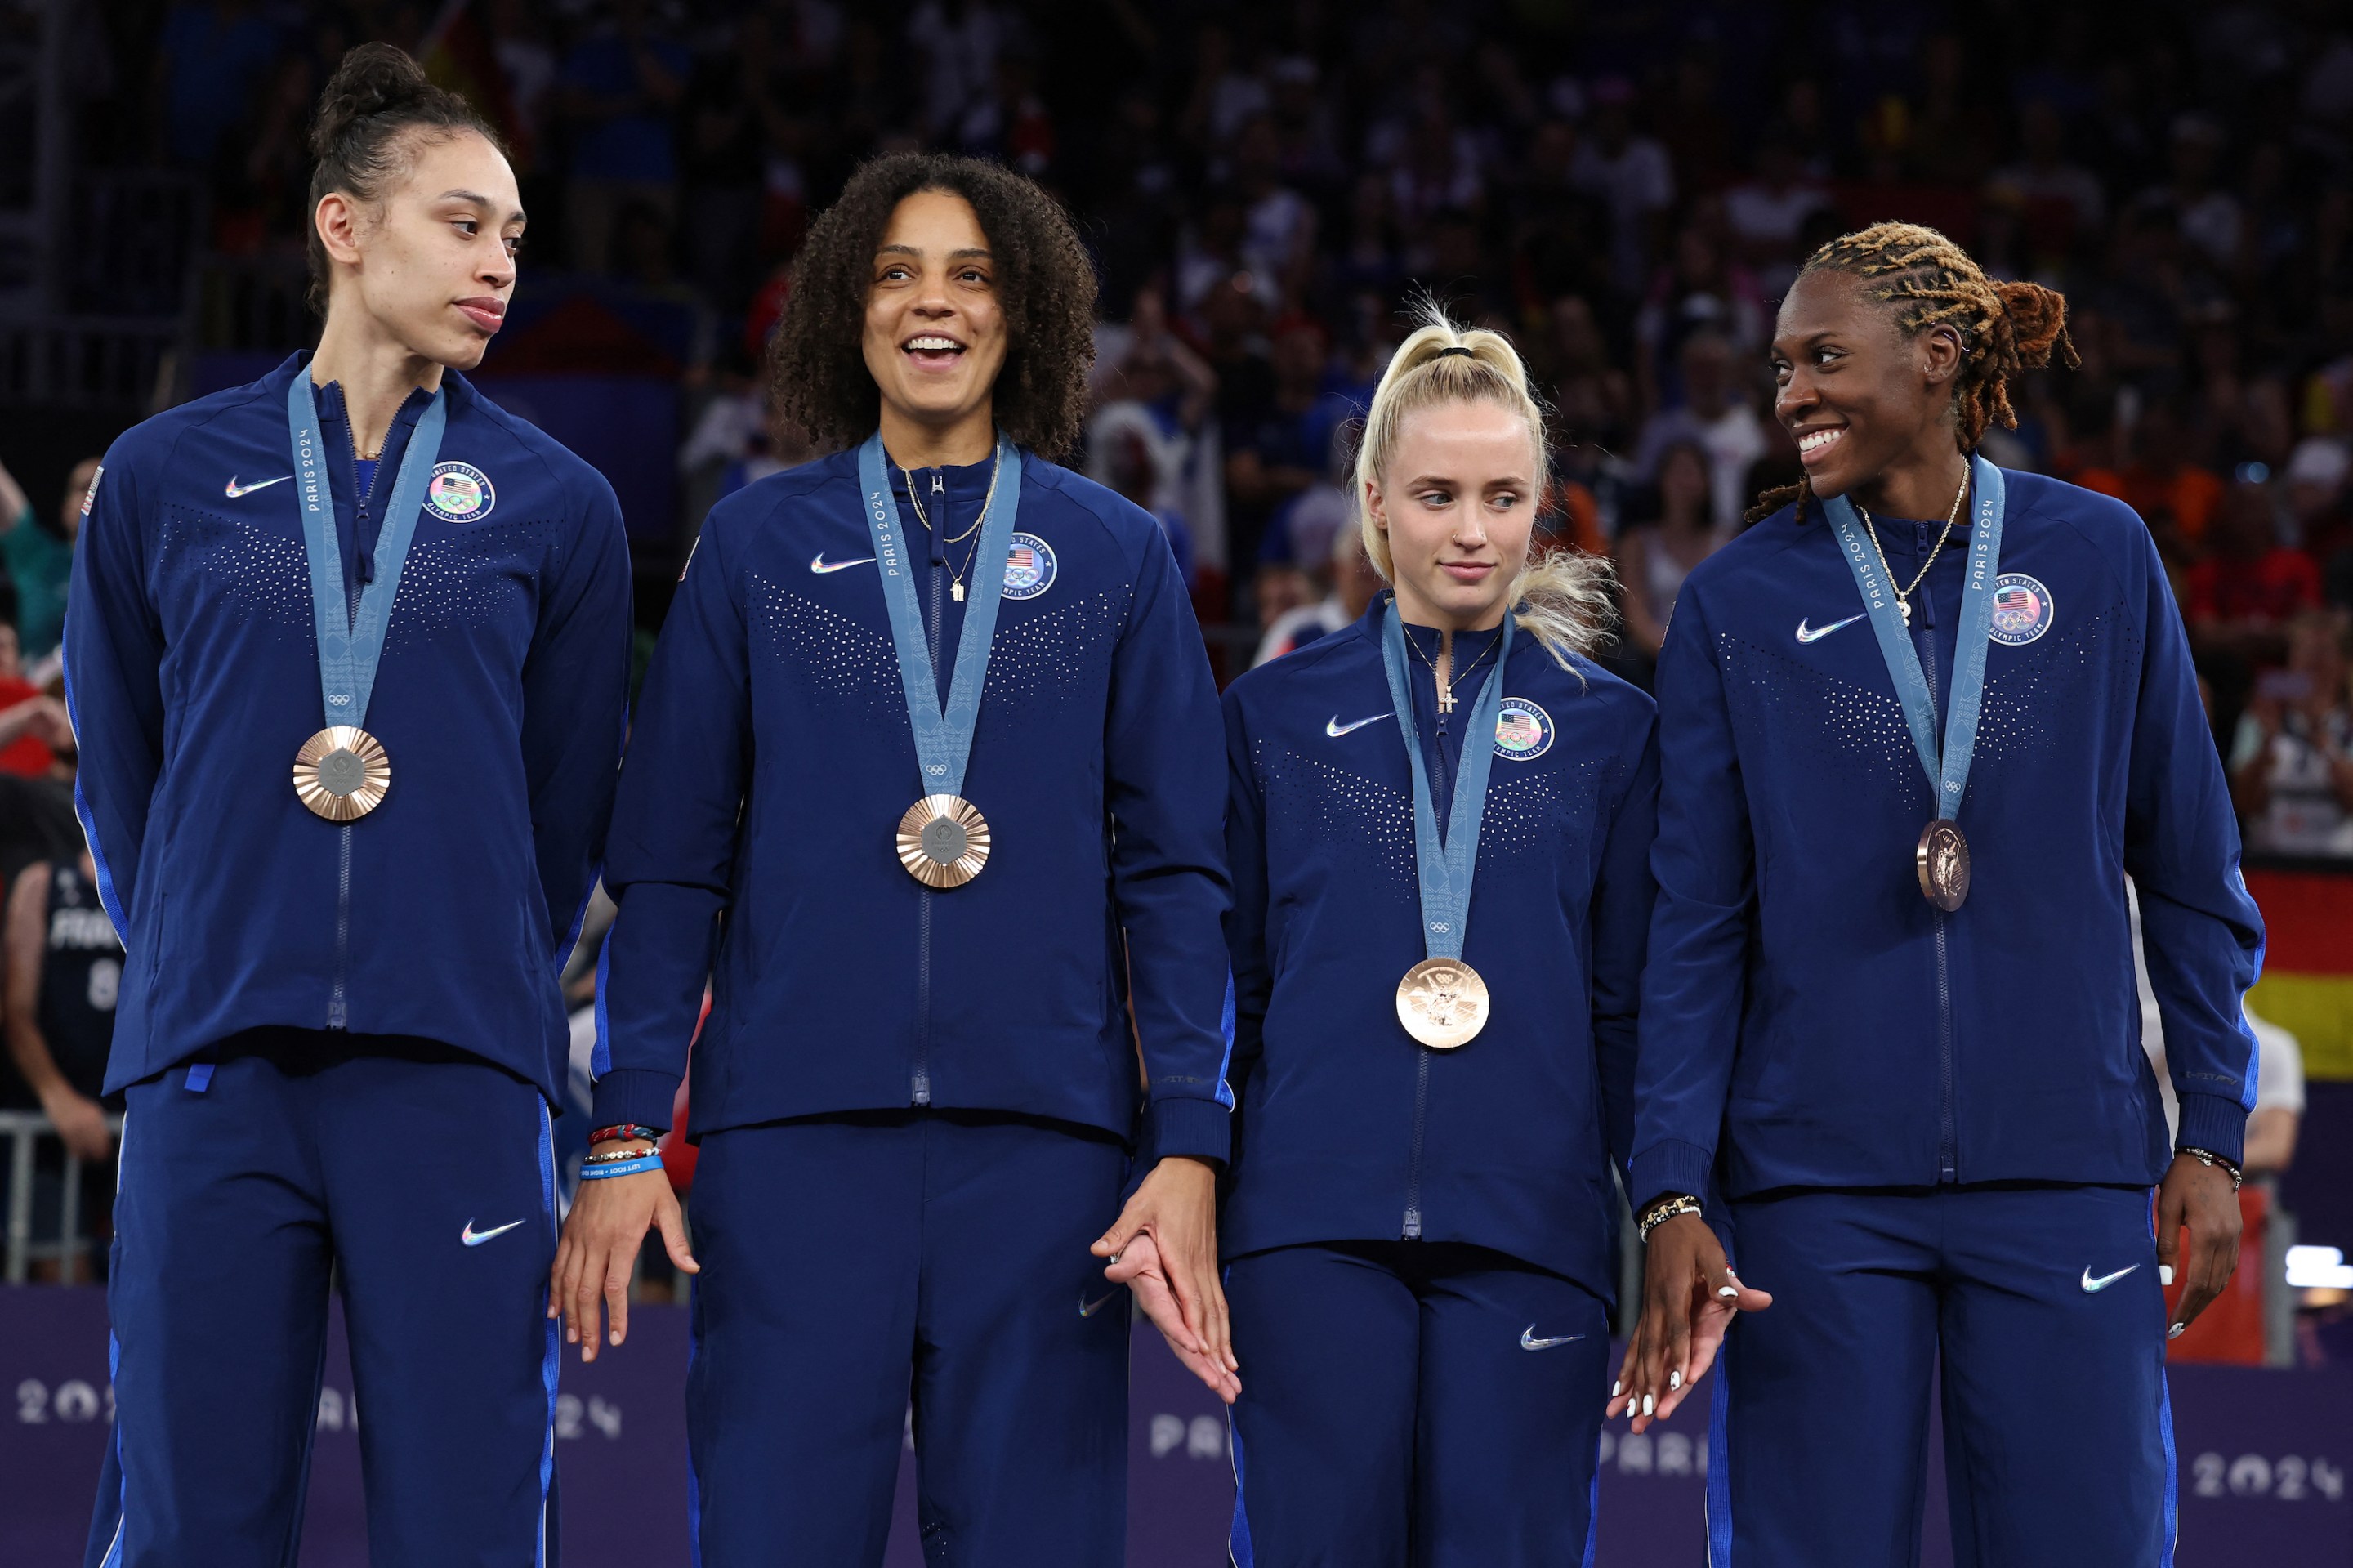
(626, 1129)
(605, 1171)
(1666, 1209)
(2209, 1159)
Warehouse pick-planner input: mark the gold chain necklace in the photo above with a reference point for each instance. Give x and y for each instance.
(956, 574)
(1446, 687)
(1903, 594)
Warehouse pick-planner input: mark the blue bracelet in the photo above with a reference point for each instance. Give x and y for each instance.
(646, 1161)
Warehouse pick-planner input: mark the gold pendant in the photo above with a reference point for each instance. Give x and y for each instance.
(942, 841)
(341, 773)
(1443, 1003)
(956, 591)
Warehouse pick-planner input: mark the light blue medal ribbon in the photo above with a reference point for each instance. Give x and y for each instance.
(1943, 852)
(942, 838)
(342, 772)
(1441, 1001)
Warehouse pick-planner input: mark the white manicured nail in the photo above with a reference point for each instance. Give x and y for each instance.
(1615, 1386)
(1649, 1404)
(2164, 1274)
(1674, 1379)
(2174, 1332)
(1729, 1293)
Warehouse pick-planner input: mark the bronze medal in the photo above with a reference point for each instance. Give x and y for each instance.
(1942, 861)
(942, 841)
(341, 773)
(1443, 1003)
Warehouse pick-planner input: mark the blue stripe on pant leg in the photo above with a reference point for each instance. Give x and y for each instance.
(693, 1476)
(2172, 1492)
(113, 1557)
(551, 1359)
(1593, 1512)
(1719, 1463)
(1238, 1540)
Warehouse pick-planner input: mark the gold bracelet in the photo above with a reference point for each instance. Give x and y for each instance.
(1663, 1211)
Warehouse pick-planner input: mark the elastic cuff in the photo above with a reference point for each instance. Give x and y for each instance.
(1182, 1124)
(634, 1095)
(2216, 1125)
(1671, 1167)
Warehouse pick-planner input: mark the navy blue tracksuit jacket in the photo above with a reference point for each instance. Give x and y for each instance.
(839, 983)
(1349, 1130)
(1809, 1019)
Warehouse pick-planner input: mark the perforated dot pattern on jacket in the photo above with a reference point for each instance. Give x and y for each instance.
(1334, 805)
(253, 576)
(1049, 657)
(1527, 814)
(1804, 713)
(473, 578)
(2062, 673)
(844, 664)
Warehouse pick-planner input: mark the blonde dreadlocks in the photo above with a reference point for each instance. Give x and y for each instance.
(1931, 282)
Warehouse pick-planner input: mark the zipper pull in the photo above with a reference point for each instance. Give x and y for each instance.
(939, 483)
(367, 573)
(939, 529)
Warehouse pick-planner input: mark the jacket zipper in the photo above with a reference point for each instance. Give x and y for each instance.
(921, 1084)
(1947, 1160)
(339, 995)
(1411, 1230)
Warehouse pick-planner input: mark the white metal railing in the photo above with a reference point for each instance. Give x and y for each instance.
(20, 1131)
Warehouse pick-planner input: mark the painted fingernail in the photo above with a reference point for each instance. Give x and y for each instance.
(1729, 1293)
(2164, 1274)
(1674, 1379)
(2174, 1332)
(1649, 1404)
(1615, 1386)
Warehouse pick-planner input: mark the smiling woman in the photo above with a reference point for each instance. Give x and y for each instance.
(1009, 334)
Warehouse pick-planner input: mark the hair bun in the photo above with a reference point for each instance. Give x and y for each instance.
(374, 79)
(2038, 318)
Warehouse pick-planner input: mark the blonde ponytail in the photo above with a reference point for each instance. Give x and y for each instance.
(1564, 599)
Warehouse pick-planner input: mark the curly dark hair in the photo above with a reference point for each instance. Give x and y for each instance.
(1044, 281)
(1927, 281)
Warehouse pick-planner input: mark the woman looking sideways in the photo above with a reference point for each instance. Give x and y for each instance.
(1916, 728)
(932, 726)
(339, 1028)
(1421, 1228)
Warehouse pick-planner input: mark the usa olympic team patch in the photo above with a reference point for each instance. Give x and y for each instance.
(459, 493)
(1029, 567)
(1524, 731)
(2021, 610)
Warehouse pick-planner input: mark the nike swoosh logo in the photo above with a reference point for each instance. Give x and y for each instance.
(1336, 730)
(1528, 1341)
(2091, 1284)
(819, 565)
(1087, 1308)
(235, 490)
(473, 1237)
(1816, 633)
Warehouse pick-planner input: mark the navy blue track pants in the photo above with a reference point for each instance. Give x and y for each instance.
(1428, 1403)
(851, 1262)
(428, 1181)
(2042, 1308)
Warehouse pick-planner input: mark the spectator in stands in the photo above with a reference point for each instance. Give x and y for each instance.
(1768, 212)
(1287, 447)
(1715, 414)
(63, 970)
(1632, 176)
(2292, 758)
(1353, 583)
(38, 554)
(208, 62)
(1159, 393)
(1656, 554)
(621, 86)
(2240, 597)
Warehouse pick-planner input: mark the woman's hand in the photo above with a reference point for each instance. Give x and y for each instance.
(1689, 1295)
(2202, 1198)
(599, 1250)
(1176, 1207)
(1139, 1267)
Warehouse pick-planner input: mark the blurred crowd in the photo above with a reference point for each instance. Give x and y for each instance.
(1626, 190)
